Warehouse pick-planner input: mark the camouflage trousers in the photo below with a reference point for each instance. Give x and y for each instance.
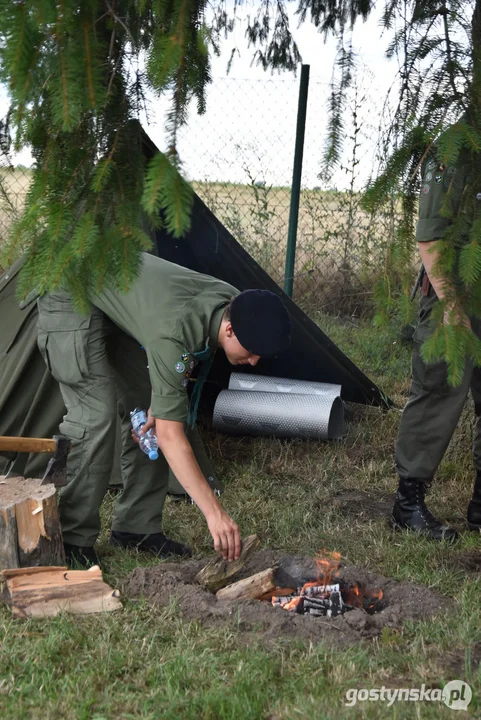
(103, 375)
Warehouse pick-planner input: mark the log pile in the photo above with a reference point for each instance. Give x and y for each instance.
(34, 580)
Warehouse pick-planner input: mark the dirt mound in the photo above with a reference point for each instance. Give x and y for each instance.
(176, 581)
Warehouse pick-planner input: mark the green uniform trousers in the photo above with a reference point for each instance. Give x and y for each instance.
(102, 372)
(434, 407)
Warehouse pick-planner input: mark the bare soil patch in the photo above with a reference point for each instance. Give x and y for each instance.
(467, 562)
(363, 505)
(168, 582)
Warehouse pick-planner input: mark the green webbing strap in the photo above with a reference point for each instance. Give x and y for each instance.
(206, 357)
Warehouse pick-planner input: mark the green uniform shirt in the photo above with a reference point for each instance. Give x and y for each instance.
(173, 312)
(439, 200)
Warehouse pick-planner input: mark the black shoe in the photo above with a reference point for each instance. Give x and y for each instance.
(83, 557)
(156, 543)
(474, 507)
(410, 513)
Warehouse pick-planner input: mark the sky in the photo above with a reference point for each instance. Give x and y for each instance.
(248, 131)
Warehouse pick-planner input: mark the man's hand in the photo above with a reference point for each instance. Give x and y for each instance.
(145, 427)
(225, 533)
(179, 454)
(149, 424)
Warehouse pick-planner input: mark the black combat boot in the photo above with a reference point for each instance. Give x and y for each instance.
(474, 507)
(80, 557)
(410, 513)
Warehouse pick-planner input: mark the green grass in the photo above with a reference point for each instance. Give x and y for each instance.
(147, 662)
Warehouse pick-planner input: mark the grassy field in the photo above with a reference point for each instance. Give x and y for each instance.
(149, 662)
(341, 249)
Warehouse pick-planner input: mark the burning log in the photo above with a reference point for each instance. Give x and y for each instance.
(322, 597)
(316, 590)
(250, 588)
(218, 573)
(277, 592)
(283, 600)
(317, 603)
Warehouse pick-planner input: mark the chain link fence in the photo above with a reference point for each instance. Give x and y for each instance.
(239, 156)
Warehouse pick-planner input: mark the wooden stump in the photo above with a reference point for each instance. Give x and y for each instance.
(30, 533)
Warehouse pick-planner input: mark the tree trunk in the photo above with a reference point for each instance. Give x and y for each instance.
(30, 533)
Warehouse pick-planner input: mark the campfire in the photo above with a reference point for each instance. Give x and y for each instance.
(323, 597)
(328, 594)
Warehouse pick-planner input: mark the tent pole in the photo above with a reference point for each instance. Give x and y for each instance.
(296, 181)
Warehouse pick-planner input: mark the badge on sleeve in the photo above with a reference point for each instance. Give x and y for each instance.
(429, 176)
(426, 189)
(185, 356)
(179, 367)
(431, 165)
(438, 178)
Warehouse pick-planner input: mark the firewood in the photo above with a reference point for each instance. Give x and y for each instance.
(45, 592)
(250, 588)
(30, 531)
(218, 573)
(278, 592)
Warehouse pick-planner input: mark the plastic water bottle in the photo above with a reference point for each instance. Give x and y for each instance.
(147, 442)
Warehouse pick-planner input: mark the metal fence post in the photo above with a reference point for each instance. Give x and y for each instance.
(296, 181)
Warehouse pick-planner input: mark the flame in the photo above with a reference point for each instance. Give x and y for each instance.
(292, 604)
(360, 597)
(308, 585)
(327, 566)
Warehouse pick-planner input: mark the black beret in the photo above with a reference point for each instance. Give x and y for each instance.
(261, 322)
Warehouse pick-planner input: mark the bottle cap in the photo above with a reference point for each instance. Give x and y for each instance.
(153, 455)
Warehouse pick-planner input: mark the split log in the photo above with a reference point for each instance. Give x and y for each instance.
(30, 533)
(218, 573)
(250, 588)
(47, 591)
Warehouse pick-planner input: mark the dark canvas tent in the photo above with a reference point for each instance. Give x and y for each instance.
(210, 248)
(30, 402)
